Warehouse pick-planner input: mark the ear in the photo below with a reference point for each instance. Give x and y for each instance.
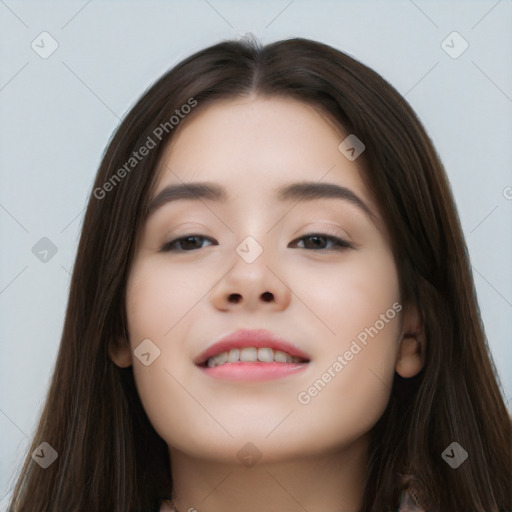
(411, 350)
(120, 353)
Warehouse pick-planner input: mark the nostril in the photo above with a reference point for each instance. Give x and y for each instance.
(234, 297)
(267, 296)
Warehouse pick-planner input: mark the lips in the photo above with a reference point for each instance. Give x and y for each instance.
(245, 345)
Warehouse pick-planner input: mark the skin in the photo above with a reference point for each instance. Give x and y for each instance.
(313, 455)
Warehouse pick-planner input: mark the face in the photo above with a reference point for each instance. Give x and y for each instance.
(315, 270)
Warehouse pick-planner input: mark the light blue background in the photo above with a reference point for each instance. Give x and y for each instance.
(57, 115)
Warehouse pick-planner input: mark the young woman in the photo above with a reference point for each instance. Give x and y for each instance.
(272, 307)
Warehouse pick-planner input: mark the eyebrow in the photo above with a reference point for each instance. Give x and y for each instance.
(300, 191)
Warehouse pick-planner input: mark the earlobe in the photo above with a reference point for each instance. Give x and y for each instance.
(120, 353)
(411, 351)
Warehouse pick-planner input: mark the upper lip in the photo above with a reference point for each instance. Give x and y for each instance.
(258, 338)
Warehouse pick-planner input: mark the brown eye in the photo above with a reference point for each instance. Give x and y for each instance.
(318, 241)
(184, 243)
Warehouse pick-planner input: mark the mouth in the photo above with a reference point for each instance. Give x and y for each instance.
(252, 355)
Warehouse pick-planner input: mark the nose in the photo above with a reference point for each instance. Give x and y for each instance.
(252, 285)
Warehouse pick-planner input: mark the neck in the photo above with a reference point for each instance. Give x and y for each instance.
(325, 483)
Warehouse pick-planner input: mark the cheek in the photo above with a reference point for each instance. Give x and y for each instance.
(359, 308)
(158, 295)
(349, 297)
(354, 372)
(158, 299)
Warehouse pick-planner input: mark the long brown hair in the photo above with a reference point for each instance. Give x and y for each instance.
(109, 456)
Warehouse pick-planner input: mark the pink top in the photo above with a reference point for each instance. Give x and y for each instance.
(408, 503)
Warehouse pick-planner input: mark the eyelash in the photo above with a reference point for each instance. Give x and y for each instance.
(340, 244)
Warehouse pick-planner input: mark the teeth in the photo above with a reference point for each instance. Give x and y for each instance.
(251, 355)
(265, 355)
(221, 358)
(282, 357)
(234, 356)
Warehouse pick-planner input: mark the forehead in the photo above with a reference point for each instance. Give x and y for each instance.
(254, 143)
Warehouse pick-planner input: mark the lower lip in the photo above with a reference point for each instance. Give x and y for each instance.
(254, 372)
